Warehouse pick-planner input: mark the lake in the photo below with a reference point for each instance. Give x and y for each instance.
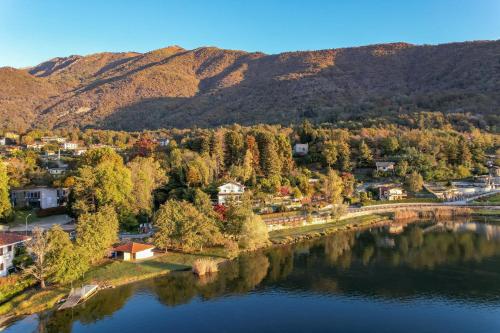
(421, 277)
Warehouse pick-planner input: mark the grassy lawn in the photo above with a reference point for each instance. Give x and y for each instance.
(493, 199)
(110, 272)
(20, 217)
(279, 236)
(115, 272)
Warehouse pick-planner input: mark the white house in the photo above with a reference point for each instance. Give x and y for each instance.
(49, 139)
(301, 149)
(385, 166)
(79, 152)
(8, 242)
(3, 141)
(133, 251)
(70, 145)
(39, 197)
(391, 193)
(163, 142)
(231, 191)
(57, 171)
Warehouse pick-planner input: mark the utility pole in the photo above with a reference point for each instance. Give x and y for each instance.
(26, 222)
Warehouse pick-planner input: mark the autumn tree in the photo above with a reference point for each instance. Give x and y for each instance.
(180, 225)
(365, 154)
(64, 257)
(102, 179)
(96, 232)
(330, 153)
(5, 206)
(414, 182)
(147, 175)
(333, 187)
(38, 247)
(254, 233)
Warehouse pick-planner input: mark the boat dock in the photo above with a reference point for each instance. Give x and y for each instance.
(78, 295)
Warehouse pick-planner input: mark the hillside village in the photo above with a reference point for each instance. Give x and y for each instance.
(149, 192)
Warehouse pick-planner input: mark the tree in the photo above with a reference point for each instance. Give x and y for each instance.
(414, 182)
(402, 168)
(147, 176)
(97, 232)
(333, 187)
(344, 156)
(234, 144)
(5, 207)
(390, 145)
(180, 225)
(38, 247)
(64, 257)
(365, 154)
(102, 180)
(254, 233)
(330, 153)
(269, 158)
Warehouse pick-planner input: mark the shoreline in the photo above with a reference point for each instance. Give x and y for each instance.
(52, 295)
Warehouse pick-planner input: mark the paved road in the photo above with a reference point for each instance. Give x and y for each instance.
(46, 223)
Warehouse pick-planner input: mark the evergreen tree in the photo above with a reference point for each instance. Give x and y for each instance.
(365, 154)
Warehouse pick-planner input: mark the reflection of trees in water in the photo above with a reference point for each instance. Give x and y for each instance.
(103, 304)
(429, 250)
(281, 263)
(338, 249)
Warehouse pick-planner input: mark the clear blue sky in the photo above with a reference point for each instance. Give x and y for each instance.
(32, 31)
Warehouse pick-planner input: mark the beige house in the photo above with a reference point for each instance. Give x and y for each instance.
(391, 193)
(133, 251)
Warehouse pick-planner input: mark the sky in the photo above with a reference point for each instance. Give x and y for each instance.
(32, 31)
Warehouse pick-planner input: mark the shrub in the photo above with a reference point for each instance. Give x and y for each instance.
(204, 266)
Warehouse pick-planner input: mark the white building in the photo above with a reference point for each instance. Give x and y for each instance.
(231, 191)
(163, 142)
(39, 197)
(301, 149)
(70, 145)
(3, 141)
(385, 166)
(391, 193)
(79, 152)
(8, 242)
(56, 139)
(133, 251)
(57, 171)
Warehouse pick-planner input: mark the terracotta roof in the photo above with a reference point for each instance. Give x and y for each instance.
(133, 247)
(7, 238)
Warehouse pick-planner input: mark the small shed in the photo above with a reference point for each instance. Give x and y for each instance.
(133, 251)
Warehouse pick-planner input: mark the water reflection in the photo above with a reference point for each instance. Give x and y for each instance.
(455, 262)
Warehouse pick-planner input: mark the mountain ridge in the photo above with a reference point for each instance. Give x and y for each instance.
(209, 86)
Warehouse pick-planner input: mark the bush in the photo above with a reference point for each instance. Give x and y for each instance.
(204, 266)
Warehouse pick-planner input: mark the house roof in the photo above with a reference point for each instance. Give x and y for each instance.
(7, 238)
(133, 247)
(234, 183)
(384, 164)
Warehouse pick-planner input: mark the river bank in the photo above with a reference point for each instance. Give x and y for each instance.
(116, 273)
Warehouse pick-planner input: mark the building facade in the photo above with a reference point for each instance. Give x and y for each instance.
(8, 243)
(231, 191)
(39, 197)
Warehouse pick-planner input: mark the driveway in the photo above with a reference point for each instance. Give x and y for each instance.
(47, 222)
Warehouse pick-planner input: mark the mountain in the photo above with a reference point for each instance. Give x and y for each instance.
(174, 87)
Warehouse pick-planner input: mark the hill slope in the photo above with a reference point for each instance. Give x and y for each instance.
(210, 86)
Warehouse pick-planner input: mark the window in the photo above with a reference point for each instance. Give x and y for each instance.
(1, 251)
(9, 248)
(1, 267)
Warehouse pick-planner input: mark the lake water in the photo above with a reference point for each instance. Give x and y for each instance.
(421, 277)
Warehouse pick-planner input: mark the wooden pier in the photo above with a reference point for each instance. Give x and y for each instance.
(78, 295)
